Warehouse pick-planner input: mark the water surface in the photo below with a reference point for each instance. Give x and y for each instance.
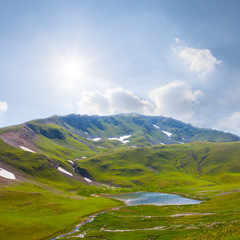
(153, 198)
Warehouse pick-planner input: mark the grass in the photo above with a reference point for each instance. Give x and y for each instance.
(44, 202)
(194, 164)
(30, 212)
(212, 219)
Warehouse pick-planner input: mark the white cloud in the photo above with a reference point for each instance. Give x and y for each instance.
(176, 99)
(3, 106)
(230, 124)
(200, 61)
(113, 101)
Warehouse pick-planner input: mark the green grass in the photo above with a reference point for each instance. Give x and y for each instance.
(29, 212)
(217, 218)
(38, 168)
(56, 141)
(194, 164)
(44, 202)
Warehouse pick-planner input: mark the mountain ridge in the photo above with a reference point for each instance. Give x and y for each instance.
(167, 123)
(95, 133)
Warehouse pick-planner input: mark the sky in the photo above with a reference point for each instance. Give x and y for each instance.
(172, 58)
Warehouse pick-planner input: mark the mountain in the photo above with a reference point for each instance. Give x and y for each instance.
(144, 130)
(45, 148)
(75, 136)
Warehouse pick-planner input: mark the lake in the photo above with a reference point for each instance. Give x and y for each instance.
(153, 198)
(138, 198)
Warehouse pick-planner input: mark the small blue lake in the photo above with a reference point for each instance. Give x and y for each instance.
(153, 198)
(138, 198)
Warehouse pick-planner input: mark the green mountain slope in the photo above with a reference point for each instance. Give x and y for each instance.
(34, 167)
(42, 201)
(76, 136)
(144, 130)
(166, 166)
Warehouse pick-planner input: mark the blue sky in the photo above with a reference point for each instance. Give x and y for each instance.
(156, 57)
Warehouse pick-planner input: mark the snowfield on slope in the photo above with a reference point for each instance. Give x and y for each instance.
(88, 180)
(64, 171)
(26, 149)
(167, 133)
(6, 174)
(94, 139)
(121, 139)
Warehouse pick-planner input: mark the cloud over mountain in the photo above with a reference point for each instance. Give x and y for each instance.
(112, 101)
(176, 99)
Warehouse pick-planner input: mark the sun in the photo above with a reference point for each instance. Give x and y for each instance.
(71, 69)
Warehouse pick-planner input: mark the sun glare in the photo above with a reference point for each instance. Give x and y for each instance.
(71, 69)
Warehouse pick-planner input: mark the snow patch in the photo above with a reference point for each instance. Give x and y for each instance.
(70, 161)
(94, 139)
(64, 171)
(167, 133)
(88, 180)
(156, 126)
(26, 149)
(121, 139)
(6, 174)
(163, 144)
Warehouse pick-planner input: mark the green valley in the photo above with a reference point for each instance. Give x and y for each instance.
(64, 167)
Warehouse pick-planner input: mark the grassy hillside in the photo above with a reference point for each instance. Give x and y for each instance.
(166, 166)
(32, 212)
(42, 201)
(75, 136)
